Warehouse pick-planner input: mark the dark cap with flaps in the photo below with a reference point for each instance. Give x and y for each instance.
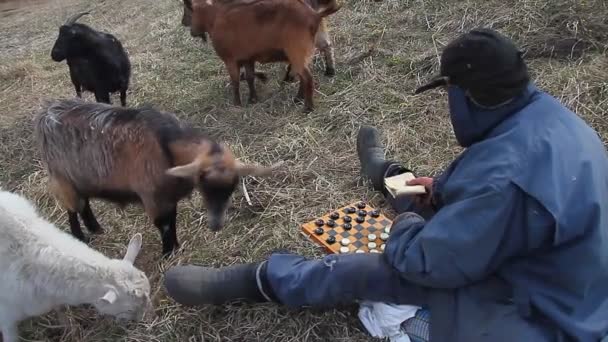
(481, 61)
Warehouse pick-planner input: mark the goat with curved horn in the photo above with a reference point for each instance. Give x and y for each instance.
(75, 17)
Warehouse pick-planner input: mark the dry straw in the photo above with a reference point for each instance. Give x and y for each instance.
(384, 50)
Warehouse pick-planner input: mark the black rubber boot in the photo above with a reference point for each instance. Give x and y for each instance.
(198, 285)
(371, 156)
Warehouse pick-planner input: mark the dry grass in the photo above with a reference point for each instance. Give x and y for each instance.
(384, 50)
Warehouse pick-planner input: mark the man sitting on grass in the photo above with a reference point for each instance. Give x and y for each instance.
(513, 242)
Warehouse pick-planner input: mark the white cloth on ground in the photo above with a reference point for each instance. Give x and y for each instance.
(384, 320)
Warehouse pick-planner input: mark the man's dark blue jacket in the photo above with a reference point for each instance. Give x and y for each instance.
(518, 248)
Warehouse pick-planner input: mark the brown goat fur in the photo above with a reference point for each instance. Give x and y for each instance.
(322, 38)
(127, 155)
(243, 32)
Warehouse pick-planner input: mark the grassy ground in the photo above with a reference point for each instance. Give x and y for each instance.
(384, 50)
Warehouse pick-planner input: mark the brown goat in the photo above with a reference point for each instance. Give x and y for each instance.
(322, 39)
(266, 31)
(126, 155)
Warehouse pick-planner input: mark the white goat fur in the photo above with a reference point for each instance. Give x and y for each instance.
(42, 268)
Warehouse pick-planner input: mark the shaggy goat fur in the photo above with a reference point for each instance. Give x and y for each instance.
(42, 268)
(126, 155)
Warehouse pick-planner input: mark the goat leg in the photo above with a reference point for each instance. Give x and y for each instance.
(300, 95)
(250, 76)
(166, 224)
(89, 219)
(78, 88)
(289, 77)
(330, 68)
(123, 97)
(75, 227)
(68, 197)
(102, 97)
(307, 85)
(233, 71)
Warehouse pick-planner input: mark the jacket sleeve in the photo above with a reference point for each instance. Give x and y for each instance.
(463, 242)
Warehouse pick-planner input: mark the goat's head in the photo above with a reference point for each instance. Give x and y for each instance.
(129, 297)
(187, 16)
(216, 173)
(67, 33)
(200, 13)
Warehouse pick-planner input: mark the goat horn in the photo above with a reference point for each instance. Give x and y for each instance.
(256, 170)
(75, 17)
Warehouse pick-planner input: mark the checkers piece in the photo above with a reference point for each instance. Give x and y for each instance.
(387, 229)
(362, 212)
(344, 249)
(360, 219)
(372, 237)
(331, 239)
(347, 226)
(359, 251)
(374, 251)
(347, 219)
(345, 242)
(375, 213)
(320, 222)
(384, 236)
(371, 245)
(361, 205)
(382, 246)
(330, 223)
(334, 215)
(350, 210)
(319, 231)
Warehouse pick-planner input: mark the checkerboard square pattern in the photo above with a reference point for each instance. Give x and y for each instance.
(358, 235)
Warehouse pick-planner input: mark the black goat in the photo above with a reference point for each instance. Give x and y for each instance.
(97, 60)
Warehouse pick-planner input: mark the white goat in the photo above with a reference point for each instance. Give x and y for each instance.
(43, 268)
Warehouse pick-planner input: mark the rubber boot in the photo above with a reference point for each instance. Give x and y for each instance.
(371, 156)
(193, 285)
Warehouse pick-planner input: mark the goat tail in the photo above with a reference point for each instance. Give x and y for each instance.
(331, 8)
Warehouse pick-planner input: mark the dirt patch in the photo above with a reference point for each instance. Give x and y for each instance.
(13, 7)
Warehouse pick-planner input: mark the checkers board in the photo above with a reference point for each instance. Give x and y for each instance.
(350, 229)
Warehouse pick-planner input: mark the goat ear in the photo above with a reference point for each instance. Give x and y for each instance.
(255, 170)
(185, 171)
(133, 248)
(109, 297)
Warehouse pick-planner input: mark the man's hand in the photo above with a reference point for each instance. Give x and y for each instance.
(427, 182)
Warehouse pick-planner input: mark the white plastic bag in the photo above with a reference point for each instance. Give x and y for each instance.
(384, 320)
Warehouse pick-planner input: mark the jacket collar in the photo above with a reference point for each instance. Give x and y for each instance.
(472, 122)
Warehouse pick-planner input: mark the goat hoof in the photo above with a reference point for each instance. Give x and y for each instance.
(97, 231)
(84, 238)
(307, 110)
(330, 72)
(298, 100)
(253, 100)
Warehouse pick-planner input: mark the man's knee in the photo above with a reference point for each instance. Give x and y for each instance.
(408, 218)
(338, 279)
